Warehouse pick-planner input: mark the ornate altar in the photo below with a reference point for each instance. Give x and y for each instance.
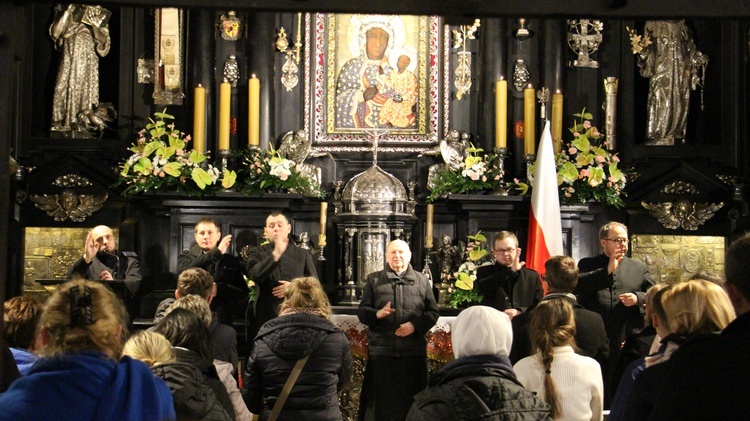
(373, 209)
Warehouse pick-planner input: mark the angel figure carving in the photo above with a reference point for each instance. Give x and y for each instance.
(297, 147)
(68, 204)
(682, 213)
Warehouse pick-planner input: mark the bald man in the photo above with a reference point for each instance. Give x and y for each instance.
(102, 261)
(399, 308)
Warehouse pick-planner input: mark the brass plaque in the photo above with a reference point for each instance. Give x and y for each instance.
(675, 258)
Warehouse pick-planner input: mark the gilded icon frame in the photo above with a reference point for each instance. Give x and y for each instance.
(329, 47)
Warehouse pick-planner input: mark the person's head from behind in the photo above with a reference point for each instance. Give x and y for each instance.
(505, 247)
(708, 276)
(696, 307)
(481, 330)
(207, 234)
(277, 227)
(659, 316)
(195, 281)
(649, 301)
(736, 272)
(21, 316)
(613, 237)
(152, 348)
(306, 295)
(195, 304)
(82, 316)
(398, 255)
(104, 238)
(561, 273)
(183, 328)
(552, 325)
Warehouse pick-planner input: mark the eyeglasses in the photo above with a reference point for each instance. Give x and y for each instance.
(505, 251)
(619, 241)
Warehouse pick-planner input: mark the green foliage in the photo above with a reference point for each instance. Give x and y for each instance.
(461, 291)
(265, 171)
(160, 160)
(477, 173)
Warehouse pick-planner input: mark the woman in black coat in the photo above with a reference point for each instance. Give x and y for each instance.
(193, 399)
(302, 329)
(192, 344)
(480, 382)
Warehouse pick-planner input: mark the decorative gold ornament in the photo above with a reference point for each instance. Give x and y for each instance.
(682, 213)
(69, 204)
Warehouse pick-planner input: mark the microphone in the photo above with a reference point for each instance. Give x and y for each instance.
(116, 270)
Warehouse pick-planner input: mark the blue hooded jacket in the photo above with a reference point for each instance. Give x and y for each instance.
(87, 386)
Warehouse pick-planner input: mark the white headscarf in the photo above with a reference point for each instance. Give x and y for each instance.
(481, 330)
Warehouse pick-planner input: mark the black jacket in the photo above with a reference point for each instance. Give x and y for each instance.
(210, 376)
(599, 291)
(266, 273)
(196, 258)
(225, 337)
(708, 378)
(279, 344)
(122, 268)
(591, 338)
(193, 399)
(412, 297)
(501, 288)
(478, 387)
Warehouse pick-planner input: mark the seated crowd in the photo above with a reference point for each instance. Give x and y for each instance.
(75, 358)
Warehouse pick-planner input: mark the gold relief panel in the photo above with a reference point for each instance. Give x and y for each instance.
(49, 252)
(675, 258)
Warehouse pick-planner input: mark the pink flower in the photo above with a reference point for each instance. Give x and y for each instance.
(484, 178)
(609, 184)
(283, 176)
(141, 141)
(497, 177)
(156, 172)
(576, 134)
(258, 171)
(587, 124)
(615, 158)
(595, 133)
(188, 138)
(171, 126)
(584, 173)
(515, 180)
(568, 194)
(599, 159)
(161, 174)
(572, 150)
(180, 152)
(474, 176)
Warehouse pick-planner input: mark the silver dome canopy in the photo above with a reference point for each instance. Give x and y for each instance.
(375, 192)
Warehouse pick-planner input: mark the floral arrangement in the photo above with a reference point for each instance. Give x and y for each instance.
(586, 170)
(268, 171)
(638, 43)
(477, 173)
(252, 289)
(461, 291)
(161, 160)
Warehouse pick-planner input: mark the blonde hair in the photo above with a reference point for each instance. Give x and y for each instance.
(196, 304)
(150, 347)
(83, 316)
(697, 306)
(649, 300)
(306, 295)
(552, 325)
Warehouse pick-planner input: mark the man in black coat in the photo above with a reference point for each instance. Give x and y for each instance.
(614, 286)
(591, 338)
(506, 285)
(210, 254)
(399, 309)
(273, 265)
(102, 261)
(708, 379)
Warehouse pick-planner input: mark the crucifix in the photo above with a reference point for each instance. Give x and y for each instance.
(376, 135)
